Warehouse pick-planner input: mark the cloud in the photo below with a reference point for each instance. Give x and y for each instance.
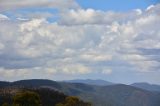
(107, 71)
(80, 42)
(6, 5)
(75, 69)
(3, 17)
(13, 73)
(142, 62)
(150, 7)
(96, 57)
(90, 16)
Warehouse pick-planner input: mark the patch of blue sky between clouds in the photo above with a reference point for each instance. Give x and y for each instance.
(116, 5)
(24, 13)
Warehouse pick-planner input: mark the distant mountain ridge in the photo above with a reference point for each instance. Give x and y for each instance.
(91, 82)
(110, 95)
(147, 86)
(4, 83)
(98, 82)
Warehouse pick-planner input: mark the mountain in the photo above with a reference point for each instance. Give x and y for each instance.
(44, 96)
(147, 86)
(4, 83)
(124, 95)
(91, 82)
(110, 95)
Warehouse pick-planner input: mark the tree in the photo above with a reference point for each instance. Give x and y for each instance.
(26, 98)
(73, 101)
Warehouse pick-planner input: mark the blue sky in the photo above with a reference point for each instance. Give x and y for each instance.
(112, 40)
(115, 5)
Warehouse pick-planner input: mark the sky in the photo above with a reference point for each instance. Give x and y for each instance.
(113, 40)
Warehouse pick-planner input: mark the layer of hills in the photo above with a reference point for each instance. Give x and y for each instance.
(142, 85)
(91, 82)
(14, 96)
(99, 95)
(147, 86)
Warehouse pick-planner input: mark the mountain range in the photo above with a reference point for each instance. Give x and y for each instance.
(98, 94)
(91, 82)
(142, 85)
(147, 86)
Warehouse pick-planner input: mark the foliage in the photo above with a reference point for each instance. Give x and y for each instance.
(26, 98)
(73, 101)
(50, 97)
(39, 97)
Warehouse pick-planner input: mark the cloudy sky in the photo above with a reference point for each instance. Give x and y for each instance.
(113, 40)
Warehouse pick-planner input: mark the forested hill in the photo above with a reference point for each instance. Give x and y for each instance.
(111, 95)
(37, 97)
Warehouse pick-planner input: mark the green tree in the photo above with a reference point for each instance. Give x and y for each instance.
(26, 98)
(73, 101)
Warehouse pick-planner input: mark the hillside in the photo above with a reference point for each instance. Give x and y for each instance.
(112, 95)
(147, 86)
(91, 82)
(3, 83)
(45, 96)
(124, 95)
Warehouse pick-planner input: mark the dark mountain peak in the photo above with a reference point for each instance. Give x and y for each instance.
(141, 83)
(91, 82)
(34, 80)
(35, 83)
